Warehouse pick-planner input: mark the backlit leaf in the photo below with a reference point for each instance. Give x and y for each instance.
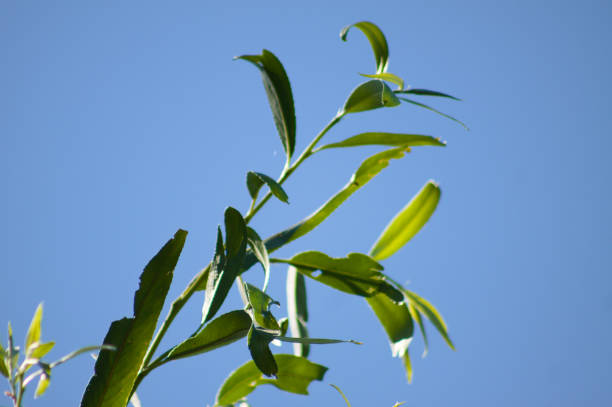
(280, 97)
(416, 315)
(370, 95)
(4, 371)
(297, 310)
(259, 309)
(424, 106)
(256, 179)
(259, 249)
(407, 222)
(221, 331)
(377, 41)
(43, 384)
(389, 77)
(116, 370)
(432, 315)
(425, 92)
(34, 331)
(386, 139)
(41, 350)
(294, 375)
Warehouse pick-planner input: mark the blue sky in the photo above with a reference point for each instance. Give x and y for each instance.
(120, 123)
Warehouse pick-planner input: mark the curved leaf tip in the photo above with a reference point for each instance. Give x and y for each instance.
(377, 40)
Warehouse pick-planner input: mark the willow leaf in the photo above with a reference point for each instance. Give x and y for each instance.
(386, 139)
(297, 310)
(377, 41)
(370, 95)
(424, 106)
(259, 249)
(432, 315)
(255, 180)
(389, 77)
(425, 92)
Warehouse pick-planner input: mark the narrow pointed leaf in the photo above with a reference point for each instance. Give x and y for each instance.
(4, 371)
(116, 370)
(43, 384)
(294, 375)
(259, 309)
(407, 222)
(223, 273)
(255, 180)
(221, 331)
(259, 347)
(425, 92)
(297, 310)
(386, 139)
(280, 97)
(366, 171)
(315, 341)
(408, 366)
(259, 249)
(370, 95)
(416, 315)
(377, 41)
(389, 77)
(34, 331)
(342, 394)
(355, 274)
(424, 106)
(432, 315)
(41, 350)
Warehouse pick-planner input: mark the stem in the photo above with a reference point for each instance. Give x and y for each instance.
(288, 170)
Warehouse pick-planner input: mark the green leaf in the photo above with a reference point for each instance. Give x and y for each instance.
(259, 347)
(432, 315)
(41, 350)
(226, 267)
(370, 95)
(366, 171)
(4, 370)
(256, 179)
(377, 41)
(116, 371)
(221, 331)
(416, 315)
(315, 341)
(342, 394)
(424, 106)
(407, 222)
(280, 97)
(389, 77)
(259, 249)
(386, 139)
(425, 92)
(355, 274)
(259, 309)
(297, 310)
(396, 321)
(294, 375)
(34, 331)
(408, 366)
(43, 384)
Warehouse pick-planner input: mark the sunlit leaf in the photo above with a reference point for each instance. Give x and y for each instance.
(221, 331)
(315, 341)
(34, 331)
(4, 371)
(297, 310)
(41, 350)
(342, 394)
(225, 267)
(355, 274)
(407, 222)
(377, 41)
(416, 315)
(294, 375)
(424, 106)
(366, 171)
(389, 77)
(432, 315)
(425, 92)
(255, 180)
(280, 97)
(259, 249)
(259, 309)
(116, 370)
(408, 366)
(386, 139)
(370, 95)
(43, 384)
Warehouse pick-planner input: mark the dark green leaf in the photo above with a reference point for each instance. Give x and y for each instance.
(370, 95)
(434, 110)
(294, 375)
(366, 171)
(377, 41)
(34, 331)
(386, 139)
(256, 179)
(221, 331)
(397, 322)
(315, 341)
(432, 315)
(389, 77)
(259, 249)
(425, 92)
(259, 346)
(223, 273)
(279, 94)
(407, 222)
(297, 310)
(116, 371)
(259, 309)
(355, 274)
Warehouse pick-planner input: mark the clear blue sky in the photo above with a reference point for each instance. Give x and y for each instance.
(120, 123)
